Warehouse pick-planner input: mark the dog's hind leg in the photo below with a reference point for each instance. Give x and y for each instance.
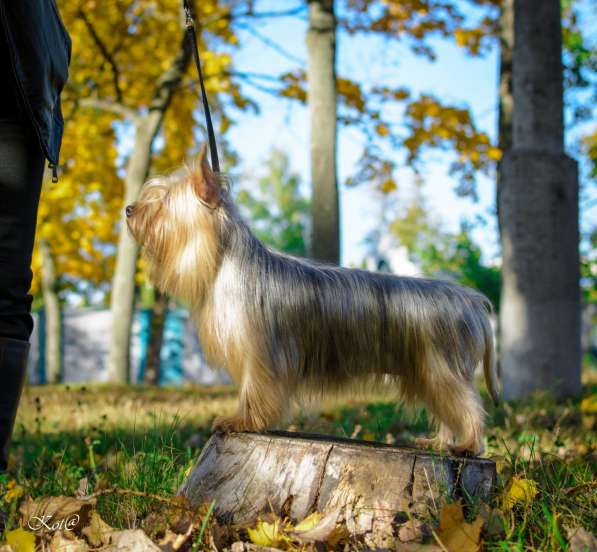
(262, 403)
(455, 406)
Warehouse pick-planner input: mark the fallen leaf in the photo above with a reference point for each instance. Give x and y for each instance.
(98, 531)
(132, 540)
(320, 528)
(54, 513)
(451, 515)
(267, 534)
(6, 548)
(13, 491)
(455, 534)
(580, 540)
(589, 404)
(519, 490)
(311, 521)
(20, 540)
(61, 543)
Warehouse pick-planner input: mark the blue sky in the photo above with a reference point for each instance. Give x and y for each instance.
(454, 77)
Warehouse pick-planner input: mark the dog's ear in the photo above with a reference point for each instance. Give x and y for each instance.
(205, 182)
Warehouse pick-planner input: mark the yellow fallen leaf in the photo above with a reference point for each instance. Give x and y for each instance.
(311, 521)
(21, 540)
(13, 491)
(589, 405)
(519, 490)
(267, 534)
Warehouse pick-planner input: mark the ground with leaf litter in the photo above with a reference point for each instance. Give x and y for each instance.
(97, 468)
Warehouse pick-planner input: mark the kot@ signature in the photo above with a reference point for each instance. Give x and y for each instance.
(45, 522)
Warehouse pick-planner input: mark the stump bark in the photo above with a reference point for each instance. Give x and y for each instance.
(249, 474)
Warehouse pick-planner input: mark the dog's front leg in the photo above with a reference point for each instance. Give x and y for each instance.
(262, 402)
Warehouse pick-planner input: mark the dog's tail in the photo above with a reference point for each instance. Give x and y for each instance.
(489, 364)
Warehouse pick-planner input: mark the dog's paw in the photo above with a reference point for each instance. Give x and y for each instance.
(438, 445)
(230, 424)
(468, 451)
(432, 443)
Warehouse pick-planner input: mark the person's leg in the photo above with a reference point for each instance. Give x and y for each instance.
(21, 172)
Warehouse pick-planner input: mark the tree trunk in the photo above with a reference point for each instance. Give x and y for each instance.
(156, 334)
(538, 209)
(53, 317)
(506, 102)
(249, 474)
(123, 283)
(321, 82)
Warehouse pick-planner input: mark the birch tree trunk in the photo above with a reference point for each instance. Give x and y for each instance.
(321, 83)
(53, 316)
(123, 283)
(538, 209)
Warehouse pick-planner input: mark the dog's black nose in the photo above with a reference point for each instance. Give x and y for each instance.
(129, 210)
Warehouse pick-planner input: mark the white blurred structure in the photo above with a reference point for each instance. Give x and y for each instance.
(387, 255)
(86, 338)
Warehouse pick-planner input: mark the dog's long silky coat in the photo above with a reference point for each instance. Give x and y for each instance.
(285, 327)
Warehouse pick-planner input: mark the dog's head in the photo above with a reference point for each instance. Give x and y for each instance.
(177, 220)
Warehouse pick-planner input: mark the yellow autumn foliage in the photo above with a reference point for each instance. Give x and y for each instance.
(120, 49)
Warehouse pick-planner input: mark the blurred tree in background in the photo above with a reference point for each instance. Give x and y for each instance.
(276, 208)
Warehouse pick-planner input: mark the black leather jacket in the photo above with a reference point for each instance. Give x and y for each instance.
(40, 50)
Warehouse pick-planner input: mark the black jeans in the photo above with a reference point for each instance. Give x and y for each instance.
(21, 173)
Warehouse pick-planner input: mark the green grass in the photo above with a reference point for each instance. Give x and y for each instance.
(145, 440)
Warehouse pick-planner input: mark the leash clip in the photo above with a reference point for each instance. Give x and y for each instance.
(189, 21)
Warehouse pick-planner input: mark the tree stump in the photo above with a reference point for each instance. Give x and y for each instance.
(249, 474)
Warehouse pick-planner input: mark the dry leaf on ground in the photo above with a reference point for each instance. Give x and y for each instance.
(62, 543)
(54, 513)
(132, 540)
(98, 531)
(455, 534)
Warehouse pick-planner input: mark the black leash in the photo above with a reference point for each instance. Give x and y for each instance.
(190, 26)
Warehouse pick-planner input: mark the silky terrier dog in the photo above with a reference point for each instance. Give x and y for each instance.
(286, 328)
